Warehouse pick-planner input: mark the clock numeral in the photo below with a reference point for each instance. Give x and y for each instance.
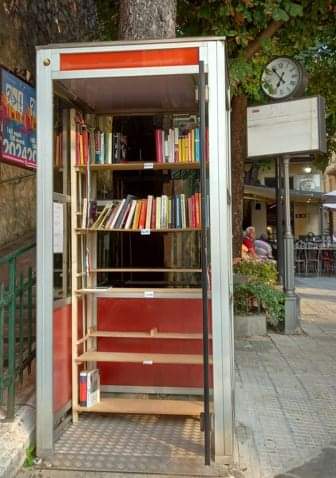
(292, 82)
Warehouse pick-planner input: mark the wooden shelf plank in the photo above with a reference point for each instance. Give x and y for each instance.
(130, 269)
(137, 231)
(142, 358)
(144, 293)
(145, 335)
(139, 165)
(146, 407)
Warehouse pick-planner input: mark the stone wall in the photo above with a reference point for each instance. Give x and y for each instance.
(23, 25)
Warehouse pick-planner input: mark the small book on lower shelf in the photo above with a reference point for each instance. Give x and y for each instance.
(89, 388)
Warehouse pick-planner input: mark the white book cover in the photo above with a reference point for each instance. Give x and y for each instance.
(149, 211)
(117, 213)
(130, 215)
(158, 213)
(84, 213)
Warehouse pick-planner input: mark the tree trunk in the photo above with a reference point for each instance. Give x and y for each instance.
(147, 19)
(238, 156)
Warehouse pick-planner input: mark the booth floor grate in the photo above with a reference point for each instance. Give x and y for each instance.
(134, 444)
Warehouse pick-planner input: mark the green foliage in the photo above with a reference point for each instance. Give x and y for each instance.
(263, 272)
(258, 290)
(30, 457)
(255, 295)
(306, 32)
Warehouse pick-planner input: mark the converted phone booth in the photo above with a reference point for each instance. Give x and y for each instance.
(134, 255)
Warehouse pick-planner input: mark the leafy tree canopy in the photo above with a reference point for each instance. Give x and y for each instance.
(256, 31)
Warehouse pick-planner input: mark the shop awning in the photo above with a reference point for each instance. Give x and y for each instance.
(263, 192)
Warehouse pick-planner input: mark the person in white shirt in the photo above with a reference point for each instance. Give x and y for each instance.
(263, 248)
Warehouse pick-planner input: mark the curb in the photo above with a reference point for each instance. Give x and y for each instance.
(15, 437)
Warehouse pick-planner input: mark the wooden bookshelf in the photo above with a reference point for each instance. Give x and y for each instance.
(87, 263)
(154, 270)
(141, 293)
(191, 408)
(141, 358)
(143, 232)
(145, 335)
(139, 165)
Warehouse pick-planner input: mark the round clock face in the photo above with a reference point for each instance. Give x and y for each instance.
(281, 78)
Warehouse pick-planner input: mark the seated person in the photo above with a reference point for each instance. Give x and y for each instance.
(263, 249)
(248, 242)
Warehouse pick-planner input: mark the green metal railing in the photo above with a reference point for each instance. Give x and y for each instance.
(17, 325)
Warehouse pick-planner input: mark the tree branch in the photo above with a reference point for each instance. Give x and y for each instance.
(254, 46)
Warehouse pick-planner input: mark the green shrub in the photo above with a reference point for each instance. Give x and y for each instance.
(253, 296)
(264, 272)
(256, 292)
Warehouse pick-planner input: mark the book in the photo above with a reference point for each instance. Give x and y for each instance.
(153, 215)
(158, 213)
(198, 210)
(158, 146)
(142, 219)
(176, 145)
(84, 213)
(137, 215)
(197, 145)
(121, 205)
(123, 212)
(183, 212)
(130, 216)
(190, 213)
(112, 214)
(149, 212)
(178, 221)
(108, 148)
(89, 388)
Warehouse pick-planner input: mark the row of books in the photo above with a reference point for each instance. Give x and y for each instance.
(163, 212)
(177, 145)
(99, 147)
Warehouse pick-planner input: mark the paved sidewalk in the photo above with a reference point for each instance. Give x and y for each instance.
(286, 393)
(285, 397)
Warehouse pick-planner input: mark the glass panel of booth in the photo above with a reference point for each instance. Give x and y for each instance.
(127, 186)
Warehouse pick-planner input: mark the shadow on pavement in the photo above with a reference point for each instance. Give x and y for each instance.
(323, 466)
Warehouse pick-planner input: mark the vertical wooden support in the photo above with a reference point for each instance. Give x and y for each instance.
(74, 264)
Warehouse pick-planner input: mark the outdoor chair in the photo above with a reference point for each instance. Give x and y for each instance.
(300, 258)
(327, 261)
(313, 259)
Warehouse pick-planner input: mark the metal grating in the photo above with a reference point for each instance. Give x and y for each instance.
(134, 444)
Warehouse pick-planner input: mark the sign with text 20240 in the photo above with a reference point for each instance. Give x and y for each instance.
(17, 121)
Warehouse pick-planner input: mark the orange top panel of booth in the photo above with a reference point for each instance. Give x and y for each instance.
(129, 59)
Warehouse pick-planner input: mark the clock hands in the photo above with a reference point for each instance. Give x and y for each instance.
(281, 80)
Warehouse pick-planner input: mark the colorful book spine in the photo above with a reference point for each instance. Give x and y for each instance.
(142, 220)
(149, 212)
(135, 224)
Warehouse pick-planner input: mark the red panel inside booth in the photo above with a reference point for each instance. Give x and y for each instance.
(129, 59)
(142, 315)
(62, 356)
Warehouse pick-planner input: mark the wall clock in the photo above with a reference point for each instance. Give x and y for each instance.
(283, 78)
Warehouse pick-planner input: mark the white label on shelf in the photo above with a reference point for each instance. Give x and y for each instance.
(148, 165)
(147, 362)
(149, 294)
(145, 232)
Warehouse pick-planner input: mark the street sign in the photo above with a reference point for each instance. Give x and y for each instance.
(288, 127)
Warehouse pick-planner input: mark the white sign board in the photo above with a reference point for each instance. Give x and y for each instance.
(289, 127)
(58, 228)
